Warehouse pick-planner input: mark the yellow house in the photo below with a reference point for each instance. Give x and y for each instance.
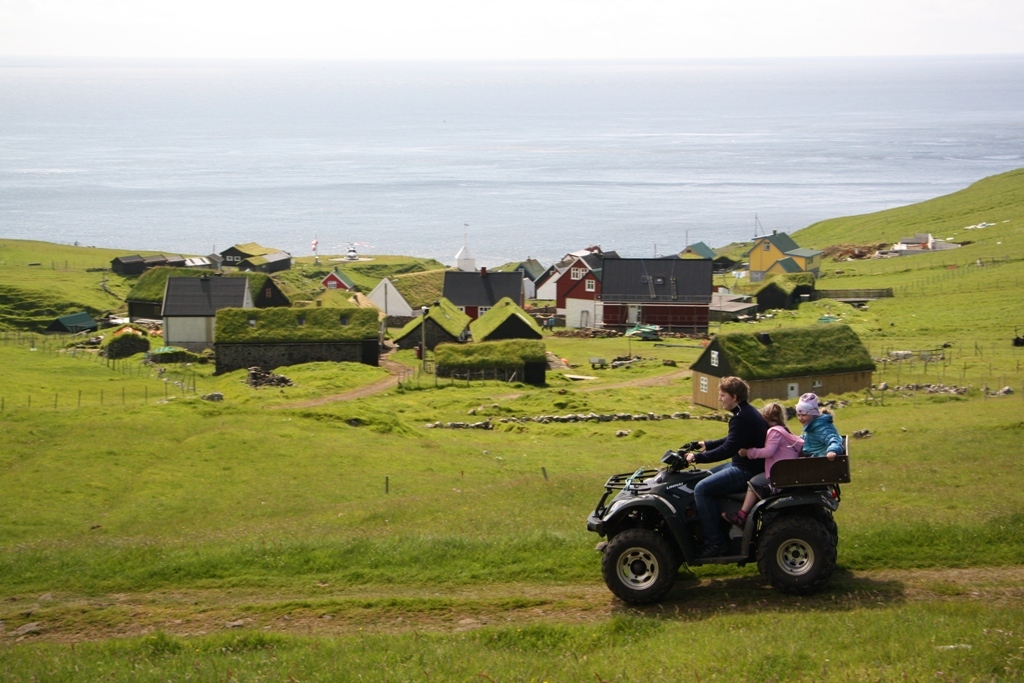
(778, 253)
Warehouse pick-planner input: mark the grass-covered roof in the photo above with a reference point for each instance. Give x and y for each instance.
(337, 298)
(282, 325)
(420, 289)
(482, 327)
(150, 285)
(445, 314)
(511, 353)
(789, 281)
(795, 352)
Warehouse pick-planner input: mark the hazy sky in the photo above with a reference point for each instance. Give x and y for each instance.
(503, 29)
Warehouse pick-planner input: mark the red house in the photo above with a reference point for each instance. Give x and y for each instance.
(583, 306)
(337, 280)
(576, 272)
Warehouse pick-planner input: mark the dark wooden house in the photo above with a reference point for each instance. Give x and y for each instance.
(128, 265)
(785, 292)
(671, 292)
(443, 323)
(784, 363)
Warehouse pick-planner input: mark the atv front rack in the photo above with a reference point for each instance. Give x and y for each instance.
(627, 481)
(633, 481)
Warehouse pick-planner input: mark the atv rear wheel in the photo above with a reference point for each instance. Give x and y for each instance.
(639, 566)
(797, 554)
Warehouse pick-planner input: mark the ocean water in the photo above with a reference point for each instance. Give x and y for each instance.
(520, 159)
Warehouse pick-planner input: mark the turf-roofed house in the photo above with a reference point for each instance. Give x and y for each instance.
(442, 323)
(511, 360)
(505, 320)
(275, 337)
(146, 298)
(784, 363)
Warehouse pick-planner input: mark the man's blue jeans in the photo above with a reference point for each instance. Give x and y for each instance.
(726, 478)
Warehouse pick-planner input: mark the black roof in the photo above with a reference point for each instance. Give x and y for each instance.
(204, 296)
(479, 289)
(133, 258)
(662, 280)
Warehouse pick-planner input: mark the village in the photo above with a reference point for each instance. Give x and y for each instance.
(232, 307)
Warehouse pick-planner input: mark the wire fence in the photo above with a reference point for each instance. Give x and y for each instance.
(175, 381)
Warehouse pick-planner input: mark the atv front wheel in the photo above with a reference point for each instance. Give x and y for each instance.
(797, 554)
(639, 566)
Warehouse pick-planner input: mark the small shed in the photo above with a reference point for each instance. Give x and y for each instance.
(275, 337)
(267, 263)
(784, 363)
(508, 360)
(784, 291)
(75, 322)
(731, 307)
(443, 323)
(505, 320)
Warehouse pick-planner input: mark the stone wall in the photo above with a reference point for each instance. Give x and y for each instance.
(268, 356)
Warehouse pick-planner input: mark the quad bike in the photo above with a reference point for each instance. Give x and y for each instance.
(652, 526)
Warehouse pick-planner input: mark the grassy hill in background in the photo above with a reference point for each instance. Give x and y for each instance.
(40, 281)
(997, 199)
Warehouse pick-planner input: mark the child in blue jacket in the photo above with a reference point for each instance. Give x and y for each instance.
(821, 438)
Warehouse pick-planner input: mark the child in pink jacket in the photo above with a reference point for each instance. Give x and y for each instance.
(779, 444)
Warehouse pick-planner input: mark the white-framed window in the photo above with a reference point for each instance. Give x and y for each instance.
(591, 285)
(816, 384)
(714, 358)
(483, 309)
(767, 246)
(578, 273)
(703, 385)
(331, 284)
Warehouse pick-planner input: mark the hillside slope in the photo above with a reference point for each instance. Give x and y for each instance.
(996, 199)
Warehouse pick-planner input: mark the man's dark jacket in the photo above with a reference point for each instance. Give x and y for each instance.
(747, 429)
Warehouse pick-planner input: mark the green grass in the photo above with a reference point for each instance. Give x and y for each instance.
(884, 642)
(272, 495)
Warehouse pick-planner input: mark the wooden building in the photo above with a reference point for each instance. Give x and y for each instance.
(671, 292)
(443, 323)
(785, 292)
(778, 246)
(784, 363)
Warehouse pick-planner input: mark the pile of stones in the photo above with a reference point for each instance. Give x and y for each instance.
(258, 377)
(577, 417)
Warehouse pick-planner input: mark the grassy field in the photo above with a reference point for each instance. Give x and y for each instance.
(146, 534)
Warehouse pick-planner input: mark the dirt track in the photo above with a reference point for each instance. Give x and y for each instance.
(321, 609)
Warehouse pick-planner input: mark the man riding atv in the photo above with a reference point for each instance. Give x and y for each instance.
(747, 429)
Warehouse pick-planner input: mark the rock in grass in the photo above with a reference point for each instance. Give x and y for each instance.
(25, 629)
